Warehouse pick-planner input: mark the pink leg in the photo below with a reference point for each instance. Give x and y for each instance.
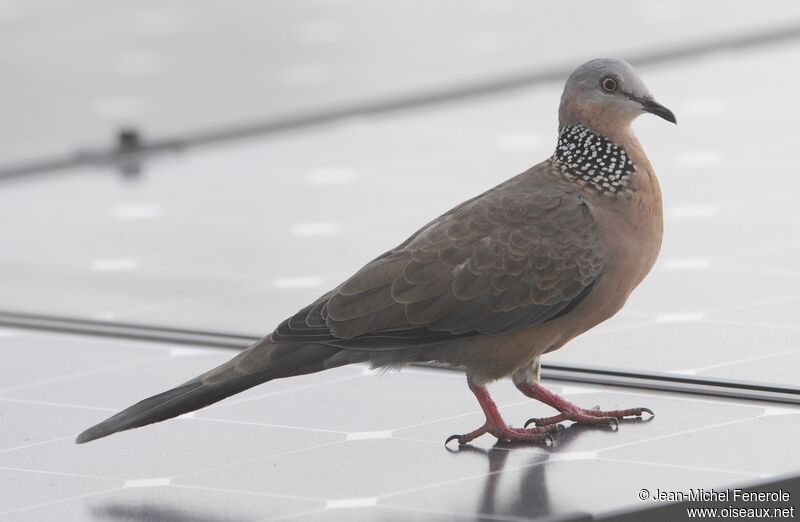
(495, 425)
(570, 411)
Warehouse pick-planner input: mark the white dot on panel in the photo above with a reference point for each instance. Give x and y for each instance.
(136, 211)
(572, 455)
(315, 229)
(369, 435)
(146, 483)
(303, 74)
(116, 107)
(697, 263)
(780, 410)
(518, 141)
(693, 212)
(699, 158)
(351, 503)
(298, 282)
(114, 265)
(139, 63)
(680, 317)
(330, 176)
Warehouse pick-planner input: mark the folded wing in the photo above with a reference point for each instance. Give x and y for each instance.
(520, 254)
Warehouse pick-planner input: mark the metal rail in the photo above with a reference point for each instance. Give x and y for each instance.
(560, 372)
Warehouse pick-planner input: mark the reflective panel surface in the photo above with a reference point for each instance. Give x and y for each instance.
(347, 444)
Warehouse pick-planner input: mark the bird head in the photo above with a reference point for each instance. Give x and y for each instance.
(607, 93)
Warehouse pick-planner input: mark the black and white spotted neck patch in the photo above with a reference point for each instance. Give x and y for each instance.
(591, 159)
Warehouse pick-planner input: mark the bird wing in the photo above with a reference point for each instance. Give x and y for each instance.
(523, 253)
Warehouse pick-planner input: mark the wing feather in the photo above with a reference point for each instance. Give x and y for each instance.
(520, 254)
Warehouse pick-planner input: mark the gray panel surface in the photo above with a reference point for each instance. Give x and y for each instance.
(314, 448)
(74, 72)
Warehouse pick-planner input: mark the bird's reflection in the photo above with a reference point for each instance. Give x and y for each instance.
(530, 497)
(153, 512)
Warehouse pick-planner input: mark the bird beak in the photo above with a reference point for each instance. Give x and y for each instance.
(653, 107)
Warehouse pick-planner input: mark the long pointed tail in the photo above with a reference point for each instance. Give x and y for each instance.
(185, 398)
(260, 363)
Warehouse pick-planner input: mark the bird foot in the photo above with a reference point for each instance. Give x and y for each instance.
(594, 416)
(510, 434)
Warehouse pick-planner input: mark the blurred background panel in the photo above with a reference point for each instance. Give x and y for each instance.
(291, 142)
(74, 71)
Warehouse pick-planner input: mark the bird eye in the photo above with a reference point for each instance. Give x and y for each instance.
(609, 85)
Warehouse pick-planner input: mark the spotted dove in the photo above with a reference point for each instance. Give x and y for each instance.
(490, 285)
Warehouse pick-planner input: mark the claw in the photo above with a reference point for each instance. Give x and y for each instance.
(496, 426)
(575, 417)
(452, 438)
(569, 411)
(540, 422)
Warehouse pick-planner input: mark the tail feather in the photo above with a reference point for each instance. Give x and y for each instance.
(187, 397)
(260, 363)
